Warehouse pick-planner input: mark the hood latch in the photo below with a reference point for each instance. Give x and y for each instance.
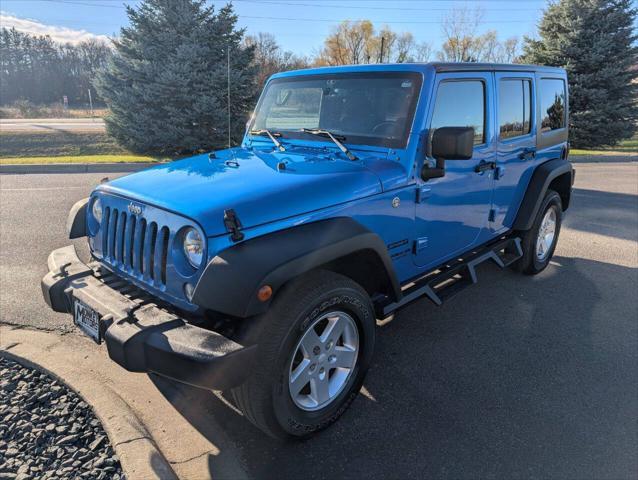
(233, 225)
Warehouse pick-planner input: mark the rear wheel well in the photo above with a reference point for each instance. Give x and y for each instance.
(563, 186)
(364, 267)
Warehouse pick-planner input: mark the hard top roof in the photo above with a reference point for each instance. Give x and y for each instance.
(492, 67)
(423, 67)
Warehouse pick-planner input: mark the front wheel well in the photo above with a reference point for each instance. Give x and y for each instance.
(563, 186)
(364, 267)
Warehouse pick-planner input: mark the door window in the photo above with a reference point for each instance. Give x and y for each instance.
(552, 104)
(514, 108)
(461, 104)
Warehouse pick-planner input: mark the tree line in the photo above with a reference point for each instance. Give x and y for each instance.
(37, 69)
(164, 78)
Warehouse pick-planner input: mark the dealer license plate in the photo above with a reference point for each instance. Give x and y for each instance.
(88, 320)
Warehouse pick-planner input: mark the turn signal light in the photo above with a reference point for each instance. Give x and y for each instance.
(264, 293)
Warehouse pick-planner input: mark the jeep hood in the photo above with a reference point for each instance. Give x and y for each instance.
(253, 183)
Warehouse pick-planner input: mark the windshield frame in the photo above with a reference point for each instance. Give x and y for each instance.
(367, 140)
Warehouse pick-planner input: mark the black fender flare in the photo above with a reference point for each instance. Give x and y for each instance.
(76, 221)
(538, 185)
(230, 281)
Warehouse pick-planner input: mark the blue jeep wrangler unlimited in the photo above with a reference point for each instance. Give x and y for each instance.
(261, 269)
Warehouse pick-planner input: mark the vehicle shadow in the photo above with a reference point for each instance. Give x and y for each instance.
(518, 377)
(604, 213)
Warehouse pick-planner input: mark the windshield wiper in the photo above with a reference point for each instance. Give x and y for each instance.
(326, 133)
(272, 136)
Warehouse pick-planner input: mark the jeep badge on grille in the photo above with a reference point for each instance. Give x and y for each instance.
(134, 209)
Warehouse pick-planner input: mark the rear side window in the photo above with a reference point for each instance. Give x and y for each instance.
(514, 108)
(461, 104)
(552, 104)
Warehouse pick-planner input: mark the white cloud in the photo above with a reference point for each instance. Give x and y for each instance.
(57, 34)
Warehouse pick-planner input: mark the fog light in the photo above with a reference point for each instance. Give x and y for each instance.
(264, 293)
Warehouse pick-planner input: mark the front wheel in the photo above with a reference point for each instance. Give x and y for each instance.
(315, 346)
(540, 241)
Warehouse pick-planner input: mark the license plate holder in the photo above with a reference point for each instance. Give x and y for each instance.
(88, 320)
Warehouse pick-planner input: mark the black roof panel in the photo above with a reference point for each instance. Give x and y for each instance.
(492, 67)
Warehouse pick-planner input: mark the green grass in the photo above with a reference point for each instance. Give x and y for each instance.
(54, 144)
(625, 147)
(76, 159)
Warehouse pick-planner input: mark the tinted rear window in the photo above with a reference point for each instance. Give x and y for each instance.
(552, 104)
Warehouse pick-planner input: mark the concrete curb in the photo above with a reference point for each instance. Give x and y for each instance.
(75, 167)
(129, 438)
(149, 434)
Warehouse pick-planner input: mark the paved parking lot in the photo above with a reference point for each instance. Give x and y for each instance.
(517, 377)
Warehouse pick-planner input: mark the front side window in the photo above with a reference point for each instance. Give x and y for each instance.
(514, 108)
(552, 104)
(371, 108)
(461, 104)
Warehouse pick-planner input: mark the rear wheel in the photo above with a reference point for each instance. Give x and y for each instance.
(315, 346)
(539, 242)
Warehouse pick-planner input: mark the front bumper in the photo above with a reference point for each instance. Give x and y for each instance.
(142, 337)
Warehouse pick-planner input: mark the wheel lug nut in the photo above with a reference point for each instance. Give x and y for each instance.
(329, 345)
(312, 367)
(332, 358)
(316, 350)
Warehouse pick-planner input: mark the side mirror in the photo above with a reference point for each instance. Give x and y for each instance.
(449, 143)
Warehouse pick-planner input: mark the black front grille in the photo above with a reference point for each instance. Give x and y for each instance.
(135, 246)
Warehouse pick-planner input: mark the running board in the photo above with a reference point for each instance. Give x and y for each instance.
(450, 279)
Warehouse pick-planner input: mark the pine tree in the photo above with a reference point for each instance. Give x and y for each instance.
(595, 42)
(166, 85)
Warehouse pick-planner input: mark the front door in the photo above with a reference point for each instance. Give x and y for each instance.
(516, 144)
(452, 213)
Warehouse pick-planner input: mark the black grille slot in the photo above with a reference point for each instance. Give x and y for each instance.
(105, 228)
(151, 264)
(131, 243)
(121, 237)
(164, 254)
(115, 215)
(140, 239)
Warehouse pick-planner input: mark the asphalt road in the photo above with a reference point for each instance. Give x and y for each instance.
(52, 124)
(533, 377)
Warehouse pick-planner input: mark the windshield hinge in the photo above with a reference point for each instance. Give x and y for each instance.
(233, 225)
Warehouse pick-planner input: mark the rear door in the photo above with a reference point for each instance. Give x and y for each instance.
(452, 212)
(516, 144)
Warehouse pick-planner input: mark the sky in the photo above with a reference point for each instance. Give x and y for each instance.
(299, 25)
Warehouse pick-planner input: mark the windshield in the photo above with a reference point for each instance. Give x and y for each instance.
(362, 108)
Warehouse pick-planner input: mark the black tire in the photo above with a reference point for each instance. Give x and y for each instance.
(530, 263)
(265, 398)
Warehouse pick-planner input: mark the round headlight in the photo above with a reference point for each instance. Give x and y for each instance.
(193, 247)
(96, 210)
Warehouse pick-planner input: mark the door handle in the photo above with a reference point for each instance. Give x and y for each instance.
(527, 153)
(484, 166)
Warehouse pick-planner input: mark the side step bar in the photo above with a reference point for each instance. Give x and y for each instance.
(451, 278)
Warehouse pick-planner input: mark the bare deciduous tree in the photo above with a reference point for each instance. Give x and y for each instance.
(270, 58)
(463, 43)
(354, 43)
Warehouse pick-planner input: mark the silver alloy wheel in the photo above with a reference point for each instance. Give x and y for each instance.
(546, 234)
(323, 361)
